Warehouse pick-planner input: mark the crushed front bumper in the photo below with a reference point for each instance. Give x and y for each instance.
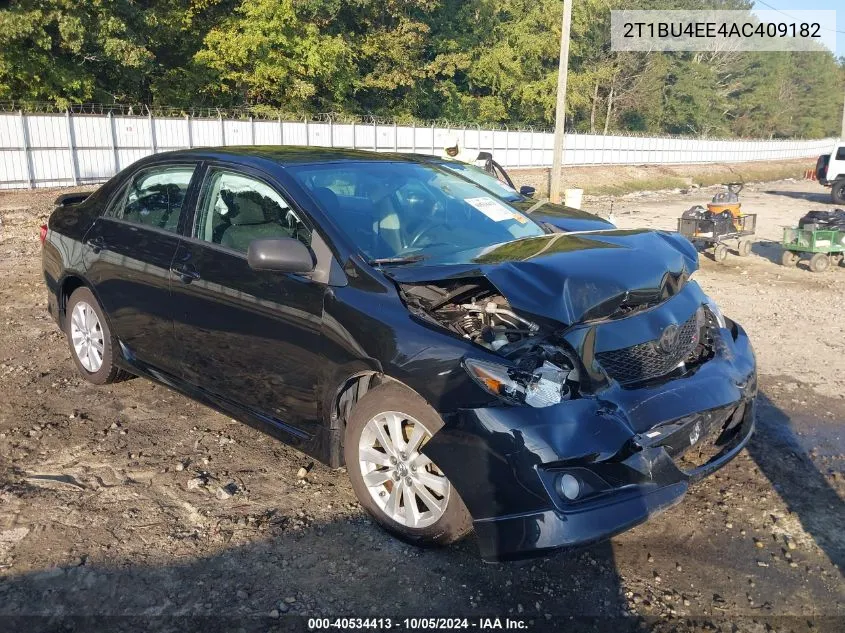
(505, 461)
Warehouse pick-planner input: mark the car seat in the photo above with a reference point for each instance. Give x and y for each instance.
(249, 223)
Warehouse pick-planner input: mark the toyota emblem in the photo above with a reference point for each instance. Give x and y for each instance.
(669, 339)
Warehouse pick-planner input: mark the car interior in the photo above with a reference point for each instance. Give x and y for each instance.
(237, 210)
(406, 209)
(154, 198)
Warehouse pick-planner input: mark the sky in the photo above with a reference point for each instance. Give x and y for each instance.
(794, 6)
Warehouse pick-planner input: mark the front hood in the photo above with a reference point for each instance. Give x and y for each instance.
(572, 277)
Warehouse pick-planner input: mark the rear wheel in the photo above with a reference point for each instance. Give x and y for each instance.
(401, 488)
(89, 338)
(837, 191)
(788, 258)
(743, 248)
(819, 262)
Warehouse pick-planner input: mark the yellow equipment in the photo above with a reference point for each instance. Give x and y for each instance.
(727, 202)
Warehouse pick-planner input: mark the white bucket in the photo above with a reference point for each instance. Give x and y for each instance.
(572, 198)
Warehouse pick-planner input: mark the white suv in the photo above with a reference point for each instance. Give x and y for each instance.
(830, 171)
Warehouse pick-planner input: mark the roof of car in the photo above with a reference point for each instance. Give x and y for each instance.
(287, 154)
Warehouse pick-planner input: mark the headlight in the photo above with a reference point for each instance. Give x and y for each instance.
(711, 305)
(545, 386)
(716, 312)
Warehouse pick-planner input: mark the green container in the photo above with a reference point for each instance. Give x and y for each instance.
(813, 241)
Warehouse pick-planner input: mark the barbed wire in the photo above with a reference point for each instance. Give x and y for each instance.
(267, 113)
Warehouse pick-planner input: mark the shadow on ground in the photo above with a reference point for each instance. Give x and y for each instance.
(783, 460)
(768, 249)
(348, 567)
(822, 197)
(370, 576)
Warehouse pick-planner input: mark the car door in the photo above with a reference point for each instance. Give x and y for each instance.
(250, 337)
(128, 254)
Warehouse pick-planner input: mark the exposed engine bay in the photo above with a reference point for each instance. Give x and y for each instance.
(542, 371)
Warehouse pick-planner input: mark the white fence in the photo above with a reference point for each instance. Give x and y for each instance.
(48, 150)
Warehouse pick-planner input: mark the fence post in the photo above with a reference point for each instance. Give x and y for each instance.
(27, 150)
(222, 129)
(375, 135)
(190, 132)
(519, 148)
(354, 135)
(395, 136)
(153, 146)
(74, 167)
(281, 131)
(331, 132)
(113, 137)
(433, 149)
(507, 144)
(414, 137)
(251, 130)
(307, 133)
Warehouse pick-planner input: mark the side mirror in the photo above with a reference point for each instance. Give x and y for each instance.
(282, 254)
(528, 191)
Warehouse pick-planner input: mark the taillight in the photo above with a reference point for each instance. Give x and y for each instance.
(43, 234)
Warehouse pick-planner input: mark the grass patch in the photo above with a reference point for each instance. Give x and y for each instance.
(652, 183)
(663, 177)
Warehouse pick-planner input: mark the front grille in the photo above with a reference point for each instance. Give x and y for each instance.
(656, 358)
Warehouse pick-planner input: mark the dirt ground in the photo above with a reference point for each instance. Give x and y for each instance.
(132, 501)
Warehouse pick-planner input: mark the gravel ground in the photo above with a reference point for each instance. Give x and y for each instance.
(129, 500)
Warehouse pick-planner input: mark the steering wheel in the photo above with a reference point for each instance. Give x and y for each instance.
(422, 232)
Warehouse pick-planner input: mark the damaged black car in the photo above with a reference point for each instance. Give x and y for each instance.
(473, 369)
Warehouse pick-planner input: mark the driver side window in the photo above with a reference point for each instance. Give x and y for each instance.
(154, 197)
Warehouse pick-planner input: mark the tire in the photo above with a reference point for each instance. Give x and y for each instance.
(720, 252)
(837, 191)
(743, 248)
(393, 406)
(819, 262)
(788, 258)
(84, 314)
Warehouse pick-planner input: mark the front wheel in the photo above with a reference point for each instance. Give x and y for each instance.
(743, 248)
(837, 191)
(720, 252)
(788, 258)
(403, 490)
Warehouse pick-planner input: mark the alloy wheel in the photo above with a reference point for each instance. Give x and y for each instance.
(403, 482)
(86, 334)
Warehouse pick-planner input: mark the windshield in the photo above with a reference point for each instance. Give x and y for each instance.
(483, 178)
(407, 211)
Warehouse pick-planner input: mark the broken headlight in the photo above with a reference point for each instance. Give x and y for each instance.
(546, 385)
(716, 312)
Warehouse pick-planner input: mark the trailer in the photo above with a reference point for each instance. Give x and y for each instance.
(706, 231)
(823, 246)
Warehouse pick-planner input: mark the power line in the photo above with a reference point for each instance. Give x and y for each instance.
(823, 28)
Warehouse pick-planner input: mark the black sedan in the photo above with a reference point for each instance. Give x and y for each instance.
(471, 367)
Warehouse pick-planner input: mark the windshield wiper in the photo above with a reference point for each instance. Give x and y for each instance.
(396, 261)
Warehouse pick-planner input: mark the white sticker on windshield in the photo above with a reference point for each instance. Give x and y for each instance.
(492, 209)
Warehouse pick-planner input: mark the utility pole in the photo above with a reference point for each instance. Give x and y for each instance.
(560, 108)
(842, 131)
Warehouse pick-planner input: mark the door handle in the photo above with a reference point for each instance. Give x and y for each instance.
(97, 244)
(185, 274)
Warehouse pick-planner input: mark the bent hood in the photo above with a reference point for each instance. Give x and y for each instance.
(572, 277)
